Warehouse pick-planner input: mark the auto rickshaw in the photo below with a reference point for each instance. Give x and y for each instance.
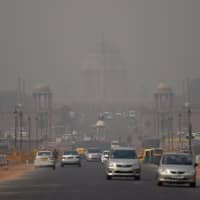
(80, 150)
(157, 153)
(148, 155)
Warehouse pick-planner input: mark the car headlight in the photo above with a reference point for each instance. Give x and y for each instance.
(163, 171)
(111, 165)
(136, 166)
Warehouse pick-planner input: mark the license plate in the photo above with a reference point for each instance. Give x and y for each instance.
(179, 177)
(44, 159)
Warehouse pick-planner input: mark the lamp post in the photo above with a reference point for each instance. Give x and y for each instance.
(170, 133)
(29, 132)
(189, 130)
(180, 129)
(16, 127)
(21, 128)
(36, 130)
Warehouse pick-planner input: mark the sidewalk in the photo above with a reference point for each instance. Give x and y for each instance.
(15, 171)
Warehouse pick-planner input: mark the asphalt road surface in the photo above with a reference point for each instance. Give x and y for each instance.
(89, 183)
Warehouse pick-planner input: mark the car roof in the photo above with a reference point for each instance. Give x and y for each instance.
(123, 148)
(43, 151)
(176, 153)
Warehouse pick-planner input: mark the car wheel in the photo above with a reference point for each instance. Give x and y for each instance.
(79, 165)
(159, 183)
(137, 178)
(193, 184)
(54, 167)
(61, 165)
(108, 177)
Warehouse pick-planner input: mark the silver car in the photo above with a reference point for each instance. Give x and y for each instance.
(70, 158)
(123, 162)
(177, 168)
(93, 154)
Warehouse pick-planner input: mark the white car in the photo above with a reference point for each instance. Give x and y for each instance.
(105, 156)
(114, 144)
(44, 159)
(123, 162)
(93, 154)
(70, 158)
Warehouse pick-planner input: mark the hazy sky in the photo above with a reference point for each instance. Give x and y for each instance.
(48, 40)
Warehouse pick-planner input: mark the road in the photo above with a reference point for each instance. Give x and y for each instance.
(89, 183)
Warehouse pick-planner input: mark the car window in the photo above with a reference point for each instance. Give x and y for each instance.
(123, 154)
(94, 151)
(177, 160)
(70, 153)
(44, 153)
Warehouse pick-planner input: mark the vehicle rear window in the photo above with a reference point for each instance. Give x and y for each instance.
(94, 151)
(177, 160)
(44, 153)
(70, 153)
(123, 154)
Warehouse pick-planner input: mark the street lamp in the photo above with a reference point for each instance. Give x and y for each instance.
(189, 113)
(189, 130)
(36, 130)
(21, 128)
(29, 132)
(180, 128)
(16, 127)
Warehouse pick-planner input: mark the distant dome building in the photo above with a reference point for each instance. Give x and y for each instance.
(41, 88)
(163, 88)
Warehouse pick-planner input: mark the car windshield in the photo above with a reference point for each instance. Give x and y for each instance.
(94, 151)
(123, 154)
(177, 160)
(158, 151)
(106, 152)
(70, 153)
(44, 153)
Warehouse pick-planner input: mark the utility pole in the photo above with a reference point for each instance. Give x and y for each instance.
(16, 127)
(21, 128)
(36, 130)
(29, 132)
(189, 130)
(180, 129)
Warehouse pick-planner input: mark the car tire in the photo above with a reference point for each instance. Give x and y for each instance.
(193, 184)
(61, 165)
(159, 183)
(108, 177)
(137, 178)
(54, 167)
(79, 165)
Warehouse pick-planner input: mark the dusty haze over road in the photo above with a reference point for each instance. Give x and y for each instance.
(47, 41)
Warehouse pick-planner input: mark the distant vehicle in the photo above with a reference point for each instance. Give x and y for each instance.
(93, 154)
(108, 115)
(123, 162)
(80, 150)
(44, 159)
(118, 114)
(114, 144)
(87, 139)
(70, 158)
(177, 168)
(131, 113)
(105, 156)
